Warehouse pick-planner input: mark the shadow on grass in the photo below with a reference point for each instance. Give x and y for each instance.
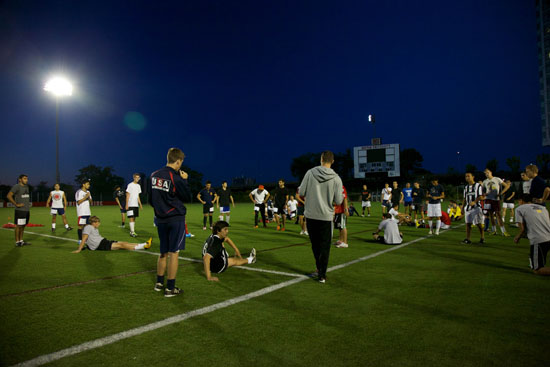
(9, 261)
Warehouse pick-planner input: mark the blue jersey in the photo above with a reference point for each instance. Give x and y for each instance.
(207, 195)
(167, 192)
(407, 194)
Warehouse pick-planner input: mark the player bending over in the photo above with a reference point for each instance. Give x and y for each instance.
(214, 255)
(93, 240)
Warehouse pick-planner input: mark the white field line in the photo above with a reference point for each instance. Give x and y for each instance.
(45, 235)
(98, 343)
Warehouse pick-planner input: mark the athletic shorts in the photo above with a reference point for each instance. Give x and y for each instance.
(537, 255)
(300, 210)
(383, 241)
(122, 210)
(506, 205)
(219, 263)
(56, 211)
(83, 220)
(473, 216)
(434, 210)
(492, 206)
(224, 209)
(340, 221)
(207, 208)
(392, 204)
(133, 212)
(279, 209)
(408, 203)
(22, 217)
(104, 245)
(171, 236)
(418, 207)
(365, 204)
(386, 203)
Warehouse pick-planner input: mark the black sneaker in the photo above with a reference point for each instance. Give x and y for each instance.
(172, 292)
(466, 241)
(18, 244)
(253, 255)
(53, 230)
(69, 228)
(25, 243)
(482, 241)
(159, 287)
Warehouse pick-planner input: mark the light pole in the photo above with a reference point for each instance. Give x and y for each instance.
(59, 87)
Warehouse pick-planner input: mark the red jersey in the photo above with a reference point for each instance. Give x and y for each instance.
(445, 218)
(340, 208)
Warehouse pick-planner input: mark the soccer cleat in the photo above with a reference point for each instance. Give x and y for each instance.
(172, 292)
(506, 234)
(53, 230)
(342, 245)
(322, 280)
(255, 226)
(307, 234)
(18, 244)
(430, 232)
(283, 229)
(204, 228)
(466, 241)
(368, 215)
(69, 228)
(494, 233)
(23, 243)
(158, 287)
(301, 232)
(148, 243)
(253, 255)
(133, 234)
(190, 235)
(278, 228)
(482, 241)
(437, 232)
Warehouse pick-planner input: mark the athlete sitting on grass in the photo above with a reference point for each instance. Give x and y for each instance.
(93, 240)
(391, 236)
(215, 256)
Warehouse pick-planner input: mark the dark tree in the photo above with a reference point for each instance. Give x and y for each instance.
(411, 162)
(492, 165)
(102, 180)
(343, 164)
(543, 160)
(300, 165)
(194, 180)
(514, 164)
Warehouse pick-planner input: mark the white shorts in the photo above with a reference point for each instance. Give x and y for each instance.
(507, 205)
(434, 210)
(365, 204)
(473, 216)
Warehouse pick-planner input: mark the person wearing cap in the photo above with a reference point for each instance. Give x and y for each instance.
(259, 197)
(83, 199)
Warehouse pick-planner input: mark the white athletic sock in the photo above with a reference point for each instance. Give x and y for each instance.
(53, 225)
(494, 228)
(220, 217)
(67, 225)
(503, 229)
(227, 219)
(132, 226)
(140, 246)
(430, 223)
(437, 225)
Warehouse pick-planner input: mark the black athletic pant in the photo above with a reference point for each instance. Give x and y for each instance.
(262, 212)
(320, 235)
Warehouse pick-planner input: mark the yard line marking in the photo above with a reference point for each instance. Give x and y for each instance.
(97, 343)
(46, 235)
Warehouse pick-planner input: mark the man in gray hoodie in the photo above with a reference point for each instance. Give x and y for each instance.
(322, 188)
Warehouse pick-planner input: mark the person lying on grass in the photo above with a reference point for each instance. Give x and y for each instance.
(215, 256)
(92, 240)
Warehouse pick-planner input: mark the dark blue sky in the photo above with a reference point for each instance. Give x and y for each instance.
(242, 87)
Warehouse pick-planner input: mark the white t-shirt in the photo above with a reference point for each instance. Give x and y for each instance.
(386, 193)
(259, 196)
(57, 199)
(292, 205)
(492, 188)
(527, 186)
(393, 213)
(391, 231)
(82, 209)
(134, 190)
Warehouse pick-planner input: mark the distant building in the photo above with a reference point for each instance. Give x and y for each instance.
(543, 44)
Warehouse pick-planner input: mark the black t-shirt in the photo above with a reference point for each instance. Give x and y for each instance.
(418, 195)
(280, 196)
(207, 195)
(213, 246)
(537, 187)
(395, 195)
(121, 195)
(365, 195)
(224, 196)
(435, 190)
(509, 193)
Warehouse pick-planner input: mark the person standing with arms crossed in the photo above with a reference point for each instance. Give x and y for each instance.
(19, 196)
(133, 202)
(168, 189)
(322, 188)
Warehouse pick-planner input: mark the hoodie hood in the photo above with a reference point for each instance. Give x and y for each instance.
(323, 174)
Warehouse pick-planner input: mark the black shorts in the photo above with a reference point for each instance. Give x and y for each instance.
(407, 203)
(280, 209)
(219, 263)
(22, 217)
(105, 245)
(133, 212)
(418, 207)
(206, 208)
(300, 210)
(537, 255)
(340, 221)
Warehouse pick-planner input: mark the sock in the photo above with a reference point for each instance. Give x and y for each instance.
(494, 228)
(80, 234)
(249, 259)
(204, 221)
(140, 246)
(220, 217)
(53, 225)
(67, 225)
(123, 224)
(437, 225)
(210, 220)
(430, 223)
(503, 229)
(160, 279)
(132, 226)
(227, 219)
(171, 283)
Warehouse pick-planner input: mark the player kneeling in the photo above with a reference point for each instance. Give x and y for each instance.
(93, 240)
(215, 256)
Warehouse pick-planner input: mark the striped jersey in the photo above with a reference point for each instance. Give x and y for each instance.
(471, 193)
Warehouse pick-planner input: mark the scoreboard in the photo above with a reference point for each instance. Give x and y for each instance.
(376, 158)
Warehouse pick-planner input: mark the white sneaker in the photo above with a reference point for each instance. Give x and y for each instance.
(437, 232)
(342, 245)
(305, 232)
(338, 242)
(301, 232)
(430, 232)
(253, 256)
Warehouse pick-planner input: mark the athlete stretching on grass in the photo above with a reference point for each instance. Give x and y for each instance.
(214, 255)
(94, 241)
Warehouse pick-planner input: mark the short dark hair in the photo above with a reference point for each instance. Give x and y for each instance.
(327, 156)
(386, 215)
(282, 180)
(218, 226)
(174, 154)
(208, 182)
(84, 181)
(94, 219)
(21, 176)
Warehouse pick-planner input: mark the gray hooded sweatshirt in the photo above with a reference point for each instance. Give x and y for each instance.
(322, 188)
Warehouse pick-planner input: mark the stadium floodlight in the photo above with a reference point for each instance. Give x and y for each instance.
(59, 87)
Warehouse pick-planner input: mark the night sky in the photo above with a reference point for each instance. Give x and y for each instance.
(242, 87)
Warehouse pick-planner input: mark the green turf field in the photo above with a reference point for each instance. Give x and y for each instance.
(434, 302)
